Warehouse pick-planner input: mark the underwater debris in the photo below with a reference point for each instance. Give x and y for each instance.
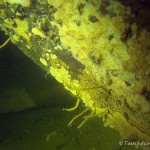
(86, 45)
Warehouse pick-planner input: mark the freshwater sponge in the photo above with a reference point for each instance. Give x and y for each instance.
(25, 3)
(97, 51)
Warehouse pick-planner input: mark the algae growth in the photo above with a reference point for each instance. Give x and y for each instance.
(97, 49)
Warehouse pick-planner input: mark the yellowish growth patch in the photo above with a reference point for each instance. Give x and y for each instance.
(36, 31)
(24, 3)
(22, 28)
(101, 111)
(43, 61)
(4, 44)
(15, 38)
(8, 23)
(73, 108)
(52, 56)
(62, 75)
(126, 130)
(58, 47)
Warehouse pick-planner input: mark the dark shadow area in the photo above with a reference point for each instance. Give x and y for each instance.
(21, 78)
(141, 11)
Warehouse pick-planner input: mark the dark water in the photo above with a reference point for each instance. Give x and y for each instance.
(31, 115)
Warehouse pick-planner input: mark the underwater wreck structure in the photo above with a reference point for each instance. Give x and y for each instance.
(95, 48)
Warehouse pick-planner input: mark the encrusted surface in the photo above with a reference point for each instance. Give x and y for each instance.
(93, 49)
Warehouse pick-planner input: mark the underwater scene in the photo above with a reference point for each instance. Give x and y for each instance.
(32, 115)
(74, 74)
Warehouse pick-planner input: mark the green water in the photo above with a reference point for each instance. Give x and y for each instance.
(46, 129)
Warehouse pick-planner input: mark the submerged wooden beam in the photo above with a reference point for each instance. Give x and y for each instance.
(94, 50)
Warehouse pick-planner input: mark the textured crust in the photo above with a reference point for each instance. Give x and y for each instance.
(94, 50)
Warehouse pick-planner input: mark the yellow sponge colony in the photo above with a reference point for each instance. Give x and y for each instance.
(93, 49)
(24, 3)
(116, 65)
